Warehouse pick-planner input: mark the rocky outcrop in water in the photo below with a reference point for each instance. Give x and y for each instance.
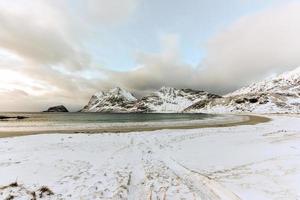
(59, 108)
(5, 118)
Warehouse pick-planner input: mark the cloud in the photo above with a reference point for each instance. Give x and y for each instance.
(43, 42)
(250, 49)
(38, 32)
(254, 46)
(50, 32)
(112, 11)
(19, 100)
(156, 69)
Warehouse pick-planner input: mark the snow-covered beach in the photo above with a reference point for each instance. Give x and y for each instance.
(259, 161)
(149, 100)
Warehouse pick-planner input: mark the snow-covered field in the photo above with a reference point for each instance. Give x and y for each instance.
(241, 162)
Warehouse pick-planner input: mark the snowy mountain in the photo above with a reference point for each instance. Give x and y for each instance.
(165, 100)
(170, 100)
(288, 82)
(280, 94)
(115, 100)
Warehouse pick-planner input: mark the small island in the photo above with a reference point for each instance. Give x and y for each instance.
(59, 108)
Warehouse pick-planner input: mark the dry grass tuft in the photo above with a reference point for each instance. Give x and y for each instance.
(10, 197)
(45, 190)
(14, 184)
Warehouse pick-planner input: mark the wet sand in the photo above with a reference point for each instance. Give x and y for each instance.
(243, 120)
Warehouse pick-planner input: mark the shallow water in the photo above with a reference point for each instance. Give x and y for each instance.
(102, 117)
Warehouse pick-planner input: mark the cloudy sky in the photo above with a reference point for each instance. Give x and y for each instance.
(61, 52)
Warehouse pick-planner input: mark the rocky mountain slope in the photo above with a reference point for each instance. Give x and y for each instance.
(165, 100)
(168, 100)
(115, 100)
(280, 94)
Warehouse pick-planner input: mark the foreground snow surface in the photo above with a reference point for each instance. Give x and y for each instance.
(242, 162)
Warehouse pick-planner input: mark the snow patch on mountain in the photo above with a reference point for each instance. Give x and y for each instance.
(169, 100)
(288, 82)
(280, 94)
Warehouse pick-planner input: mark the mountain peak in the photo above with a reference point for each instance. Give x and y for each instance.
(122, 93)
(293, 74)
(115, 90)
(111, 101)
(163, 88)
(167, 90)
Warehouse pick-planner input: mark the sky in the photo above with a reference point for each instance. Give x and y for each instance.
(56, 52)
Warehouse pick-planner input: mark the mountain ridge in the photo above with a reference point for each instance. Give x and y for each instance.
(165, 100)
(279, 94)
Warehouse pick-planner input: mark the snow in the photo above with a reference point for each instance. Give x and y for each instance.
(279, 94)
(165, 100)
(172, 100)
(288, 82)
(270, 107)
(119, 91)
(112, 100)
(242, 162)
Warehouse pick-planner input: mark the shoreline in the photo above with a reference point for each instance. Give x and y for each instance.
(238, 121)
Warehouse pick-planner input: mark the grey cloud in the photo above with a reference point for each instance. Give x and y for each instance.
(18, 100)
(155, 71)
(49, 38)
(52, 32)
(112, 11)
(254, 47)
(41, 41)
(249, 50)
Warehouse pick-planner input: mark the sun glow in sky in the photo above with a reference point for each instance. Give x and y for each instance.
(12, 80)
(61, 52)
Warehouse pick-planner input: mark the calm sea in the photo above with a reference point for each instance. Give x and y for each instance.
(98, 122)
(105, 117)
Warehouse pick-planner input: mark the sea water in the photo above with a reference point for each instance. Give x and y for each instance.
(101, 122)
